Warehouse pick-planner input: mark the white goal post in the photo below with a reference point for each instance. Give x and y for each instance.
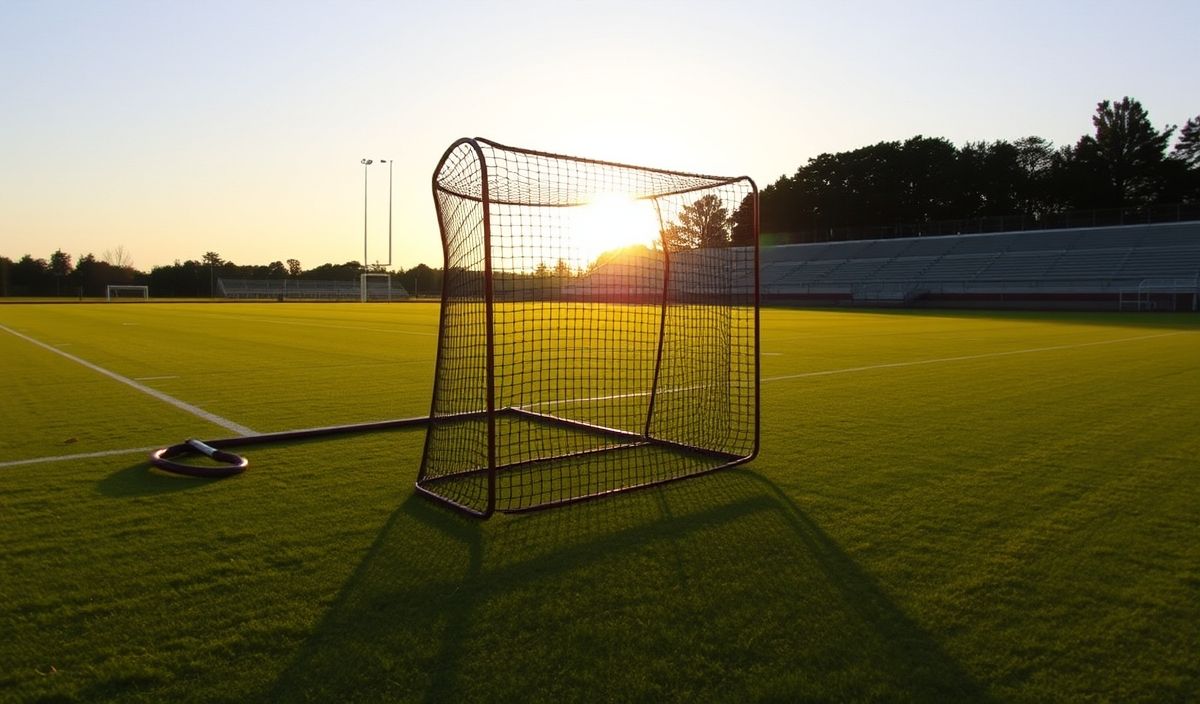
(362, 285)
(114, 291)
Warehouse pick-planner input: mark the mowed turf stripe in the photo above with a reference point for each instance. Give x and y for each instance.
(181, 405)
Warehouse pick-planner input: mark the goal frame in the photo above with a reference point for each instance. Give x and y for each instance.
(366, 276)
(110, 288)
(486, 194)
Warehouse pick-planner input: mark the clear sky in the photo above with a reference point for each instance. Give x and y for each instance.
(175, 128)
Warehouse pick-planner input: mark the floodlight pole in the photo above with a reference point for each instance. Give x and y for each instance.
(389, 163)
(366, 163)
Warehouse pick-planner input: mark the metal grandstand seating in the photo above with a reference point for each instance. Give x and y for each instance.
(307, 290)
(1091, 261)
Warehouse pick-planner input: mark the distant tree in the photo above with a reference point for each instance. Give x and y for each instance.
(1126, 154)
(117, 256)
(60, 267)
(703, 223)
(60, 263)
(213, 260)
(31, 277)
(6, 265)
(1187, 147)
(1035, 190)
(743, 223)
(276, 270)
(334, 272)
(541, 271)
(293, 267)
(1187, 155)
(562, 269)
(421, 279)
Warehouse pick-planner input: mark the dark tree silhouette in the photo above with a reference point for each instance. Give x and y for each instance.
(743, 223)
(1187, 147)
(1126, 153)
(704, 223)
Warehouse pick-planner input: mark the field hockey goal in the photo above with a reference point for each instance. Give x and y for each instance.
(123, 292)
(599, 328)
(374, 286)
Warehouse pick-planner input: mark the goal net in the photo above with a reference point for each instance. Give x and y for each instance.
(375, 287)
(126, 292)
(599, 328)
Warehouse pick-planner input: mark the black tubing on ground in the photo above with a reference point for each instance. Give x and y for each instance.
(164, 458)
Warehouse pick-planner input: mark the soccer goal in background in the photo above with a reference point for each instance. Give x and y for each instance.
(374, 286)
(114, 291)
(599, 328)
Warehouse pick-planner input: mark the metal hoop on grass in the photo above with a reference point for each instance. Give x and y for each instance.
(231, 464)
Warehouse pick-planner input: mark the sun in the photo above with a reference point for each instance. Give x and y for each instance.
(611, 221)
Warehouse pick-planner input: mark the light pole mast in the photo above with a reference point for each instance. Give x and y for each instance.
(389, 163)
(366, 163)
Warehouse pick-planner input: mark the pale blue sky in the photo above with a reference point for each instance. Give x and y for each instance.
(174, 128)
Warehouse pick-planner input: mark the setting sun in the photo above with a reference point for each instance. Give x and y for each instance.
(611, 221)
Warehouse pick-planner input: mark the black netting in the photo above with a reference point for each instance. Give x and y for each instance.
(599, 328)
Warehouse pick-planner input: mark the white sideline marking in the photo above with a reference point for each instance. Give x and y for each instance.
(771, 354)
(848, 370)
(967, 357)
(182, 405)
(80, 456)
(155, 378)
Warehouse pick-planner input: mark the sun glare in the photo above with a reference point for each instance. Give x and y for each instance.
(611, 221)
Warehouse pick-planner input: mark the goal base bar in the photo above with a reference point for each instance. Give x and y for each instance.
(606, 461)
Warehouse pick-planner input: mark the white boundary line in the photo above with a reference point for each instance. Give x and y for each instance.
(80, 456)
(888, 365)
(968, 357)
(181, 405)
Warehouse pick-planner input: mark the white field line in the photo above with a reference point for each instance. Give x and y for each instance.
(181, 405)
(968, 357)
(80, 456)
(849, 370)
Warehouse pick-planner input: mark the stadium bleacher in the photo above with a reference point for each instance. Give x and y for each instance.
(1097, 262)
(306, 290)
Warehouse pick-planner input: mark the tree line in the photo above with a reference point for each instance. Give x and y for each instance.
(1126, 163)
(61, 275)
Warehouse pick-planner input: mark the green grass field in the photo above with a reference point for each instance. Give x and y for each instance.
(947, 507)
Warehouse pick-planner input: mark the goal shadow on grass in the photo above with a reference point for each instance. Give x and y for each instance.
(717, 588)
(138, 479)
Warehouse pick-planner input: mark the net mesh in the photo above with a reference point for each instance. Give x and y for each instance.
(598, 331)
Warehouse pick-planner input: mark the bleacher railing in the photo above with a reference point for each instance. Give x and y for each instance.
(1179, 212)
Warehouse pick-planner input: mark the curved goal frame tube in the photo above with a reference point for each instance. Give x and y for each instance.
(552, 459)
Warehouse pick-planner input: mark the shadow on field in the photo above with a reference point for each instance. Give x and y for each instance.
(717, 588)
(140, 480)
